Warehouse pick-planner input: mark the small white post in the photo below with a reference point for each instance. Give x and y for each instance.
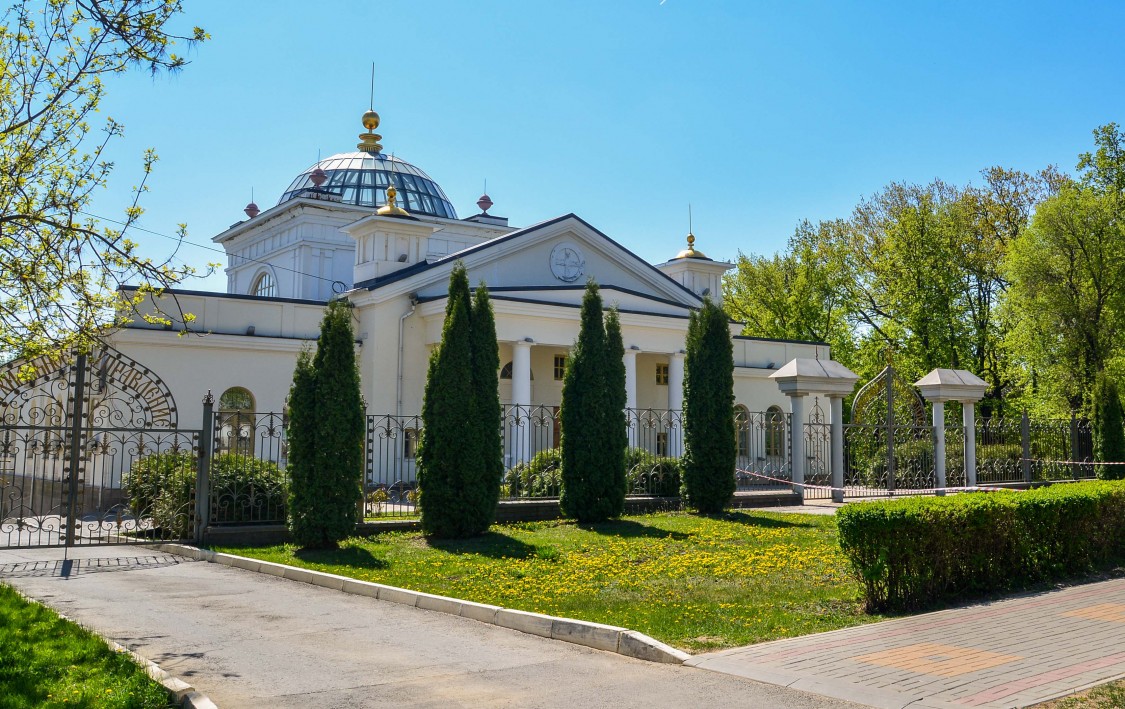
(837, 428)
(939, 445)
(797, 444)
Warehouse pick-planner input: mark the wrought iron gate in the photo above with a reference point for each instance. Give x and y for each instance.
(90, 453)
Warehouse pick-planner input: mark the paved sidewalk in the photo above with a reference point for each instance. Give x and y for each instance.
(253, 640)
(1010, 653)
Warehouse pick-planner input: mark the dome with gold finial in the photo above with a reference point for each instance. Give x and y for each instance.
(362, 178)
(690, 251)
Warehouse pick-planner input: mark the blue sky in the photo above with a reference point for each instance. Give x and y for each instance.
(758, 114)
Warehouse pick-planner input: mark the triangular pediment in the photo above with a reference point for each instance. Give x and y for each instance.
(551, 262)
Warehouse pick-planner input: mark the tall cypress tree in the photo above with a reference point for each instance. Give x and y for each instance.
(450, 444)
(709, 435)
(615, 386)
(328, 474)
(593, 489)
(1109, 434)
(484, 486)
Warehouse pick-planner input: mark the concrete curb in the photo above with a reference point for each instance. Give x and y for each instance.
(185, 695)
(580, 632)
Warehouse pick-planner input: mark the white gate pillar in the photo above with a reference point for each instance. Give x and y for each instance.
(940, 386)
(799, 378)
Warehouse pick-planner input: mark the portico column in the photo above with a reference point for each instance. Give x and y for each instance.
(521, 373)
(519, 450)
(939, 445)
(836, 403)
(676, 403)
(797, 443)
(631, 393)
(969, 420)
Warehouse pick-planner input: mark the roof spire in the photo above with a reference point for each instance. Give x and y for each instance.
(369, 141)
(690, 251)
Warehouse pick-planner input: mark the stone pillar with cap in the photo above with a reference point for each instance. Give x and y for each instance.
(799, 378)
(938, 387)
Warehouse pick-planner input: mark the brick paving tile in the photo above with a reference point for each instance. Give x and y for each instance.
(1003, 653)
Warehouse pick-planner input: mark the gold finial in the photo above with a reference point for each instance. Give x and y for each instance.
(691, 241)
(390, 208)
(369, 141)
(690, 251)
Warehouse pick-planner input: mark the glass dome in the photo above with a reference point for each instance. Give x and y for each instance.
(362, 179)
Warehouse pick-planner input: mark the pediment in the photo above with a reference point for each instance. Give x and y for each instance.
(551, 262)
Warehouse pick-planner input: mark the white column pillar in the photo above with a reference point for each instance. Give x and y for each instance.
(797, 460)
(939, 445)
(676, 403)
(969, 420)
(836, 403)
(521, 373)
(631, 394)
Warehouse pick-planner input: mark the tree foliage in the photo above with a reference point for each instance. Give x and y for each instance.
(710, 447)
(327, 426)
(60, 267)
(460, 459)
(1109, 429)
(593, 425)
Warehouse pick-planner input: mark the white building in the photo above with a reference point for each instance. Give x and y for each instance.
(341, 230)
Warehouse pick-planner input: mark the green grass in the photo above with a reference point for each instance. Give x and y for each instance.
(694, 582)
(1107, 696)
(46, 661)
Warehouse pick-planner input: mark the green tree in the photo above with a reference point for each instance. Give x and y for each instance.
(709, 433)
(324, 505)
(460, 456)
(59, 266)
(482, 485)
(592, 448)
(616, 423)
(1109, 430)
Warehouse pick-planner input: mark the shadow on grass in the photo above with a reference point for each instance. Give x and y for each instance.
(491, 544)
(631, 530)
(754, 520)
(357, 557)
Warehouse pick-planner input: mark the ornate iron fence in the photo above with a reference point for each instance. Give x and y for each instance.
(247, 483)
(1028, 451)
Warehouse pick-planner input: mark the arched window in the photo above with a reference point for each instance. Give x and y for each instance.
(264, 285)
(235, 421)
(506, 372)
(742, 429)
(775, 431)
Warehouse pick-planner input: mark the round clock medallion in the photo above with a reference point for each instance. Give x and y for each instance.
(567, 262)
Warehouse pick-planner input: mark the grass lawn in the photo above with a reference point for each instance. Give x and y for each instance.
(46, 661)
(697, 583)
(1107, 696)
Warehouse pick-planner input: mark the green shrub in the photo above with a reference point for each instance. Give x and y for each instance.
(913, 553)
(161, 487)
(1109, 434)
(648, 474)
(539, 477)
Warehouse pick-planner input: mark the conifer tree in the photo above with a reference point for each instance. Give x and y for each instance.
(450, 446)
(327, 425)
(709, 435)
(593, 489)
(1109, 434)
(615, 386)
(483, 489)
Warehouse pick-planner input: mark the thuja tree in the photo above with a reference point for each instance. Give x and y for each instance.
(593, 427)
(709, 435)
(615, 386)
(325, 432)
(1109, 436)
(459, 455)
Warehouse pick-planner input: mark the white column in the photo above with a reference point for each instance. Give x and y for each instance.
(836, 404)
(939, 445)
(631, 394)
(969, 420)
(521, 373)
(797, 460)
(631, 379)
(676, 403)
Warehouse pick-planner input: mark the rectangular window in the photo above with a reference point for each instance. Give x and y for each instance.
(560, 367)
(662, 443)
(662, 374)
(410, 443)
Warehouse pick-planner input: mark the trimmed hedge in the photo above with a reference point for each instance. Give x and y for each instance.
(915, 553)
